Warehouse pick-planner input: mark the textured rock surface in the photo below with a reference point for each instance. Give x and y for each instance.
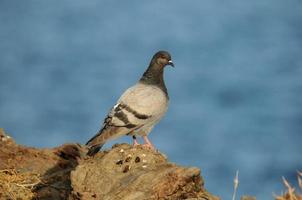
(120, 173)
(135, 173)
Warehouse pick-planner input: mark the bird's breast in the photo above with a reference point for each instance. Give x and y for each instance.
(146, 99)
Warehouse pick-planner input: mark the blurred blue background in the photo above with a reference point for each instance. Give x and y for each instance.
(236, 100)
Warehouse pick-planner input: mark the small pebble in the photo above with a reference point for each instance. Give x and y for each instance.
(122, 151)
(144, 155)
(137, 159)
(144, 161)
(128, 159)
(119, 162)
(144, 166)
(126, 169)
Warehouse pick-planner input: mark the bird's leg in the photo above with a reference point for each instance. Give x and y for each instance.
(135, 143)
(148, 143)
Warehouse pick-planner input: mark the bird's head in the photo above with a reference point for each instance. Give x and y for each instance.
(162, 58)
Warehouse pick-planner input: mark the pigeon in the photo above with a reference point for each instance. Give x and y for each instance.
(139, 108)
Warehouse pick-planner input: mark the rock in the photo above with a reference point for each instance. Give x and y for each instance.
(4, 137)
(50, 168)
(66, 172)
(247, 198)
(131, 173)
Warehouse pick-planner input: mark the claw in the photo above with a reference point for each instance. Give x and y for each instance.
(148, 143)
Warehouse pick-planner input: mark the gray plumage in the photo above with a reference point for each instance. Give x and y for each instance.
(139, 108)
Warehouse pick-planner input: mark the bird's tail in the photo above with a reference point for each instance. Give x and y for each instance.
(93, 150)
(97, 141)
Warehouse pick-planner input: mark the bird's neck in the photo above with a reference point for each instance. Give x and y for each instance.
(154, 75)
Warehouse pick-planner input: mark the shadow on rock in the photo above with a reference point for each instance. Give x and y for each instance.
(55, 182)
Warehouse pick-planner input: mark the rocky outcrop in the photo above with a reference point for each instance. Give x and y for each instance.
(129, 173)
(122, 172)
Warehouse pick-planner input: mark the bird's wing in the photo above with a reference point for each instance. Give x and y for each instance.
(121, 120)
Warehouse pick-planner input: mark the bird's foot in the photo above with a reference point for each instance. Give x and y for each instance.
(148, 146)
(135, 143)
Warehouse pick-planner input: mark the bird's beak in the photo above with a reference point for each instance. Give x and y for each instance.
(171, 63)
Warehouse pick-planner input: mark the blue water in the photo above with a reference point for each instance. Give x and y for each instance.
(236, 91)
